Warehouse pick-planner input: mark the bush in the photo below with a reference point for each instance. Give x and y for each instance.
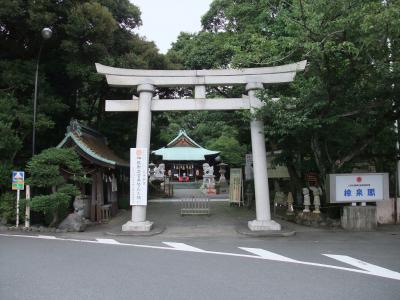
(8, 203)
(45, 174)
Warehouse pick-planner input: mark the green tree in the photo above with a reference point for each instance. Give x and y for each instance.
(84, 32)
(231, 151)
(48, 171)
(342, 109)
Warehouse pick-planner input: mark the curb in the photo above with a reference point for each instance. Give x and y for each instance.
(155, 231)
(285, 232)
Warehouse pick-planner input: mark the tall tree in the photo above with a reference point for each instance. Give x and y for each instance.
(84, 32)
(341, 110)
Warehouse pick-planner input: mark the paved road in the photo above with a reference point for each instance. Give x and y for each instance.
(202, 268)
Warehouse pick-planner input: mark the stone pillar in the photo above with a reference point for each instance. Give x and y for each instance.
(139, 222)
(263, 214)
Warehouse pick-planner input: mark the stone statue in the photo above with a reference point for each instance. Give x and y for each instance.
(208, 185)
(207, 170)
(317, 192)
(290, 202)
(159, 171)
(79, 206)
(307, 200)
(76, 221)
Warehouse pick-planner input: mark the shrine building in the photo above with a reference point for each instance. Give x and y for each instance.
(184, 158)
(108, 173)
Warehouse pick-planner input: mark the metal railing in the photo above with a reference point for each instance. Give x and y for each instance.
(195, 206)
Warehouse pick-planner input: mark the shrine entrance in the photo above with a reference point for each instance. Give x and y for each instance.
(253, 78)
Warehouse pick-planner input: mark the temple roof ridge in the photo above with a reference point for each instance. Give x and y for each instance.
(182, 135)
(184, 148)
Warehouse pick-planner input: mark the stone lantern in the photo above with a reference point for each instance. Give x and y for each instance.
(222, 172)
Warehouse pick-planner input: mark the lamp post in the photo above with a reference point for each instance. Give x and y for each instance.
(46, 34)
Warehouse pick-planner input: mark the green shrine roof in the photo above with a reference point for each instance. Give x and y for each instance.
(183, 148)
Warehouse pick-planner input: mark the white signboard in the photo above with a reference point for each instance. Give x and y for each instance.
(360, 187)
(235, 186)
(138, 176)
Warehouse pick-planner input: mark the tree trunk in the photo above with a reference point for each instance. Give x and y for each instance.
(295, 181)
(55, 212)
(316, 148)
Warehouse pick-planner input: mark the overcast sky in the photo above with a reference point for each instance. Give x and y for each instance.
(163, 20)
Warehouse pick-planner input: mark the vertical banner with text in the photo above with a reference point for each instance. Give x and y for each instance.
(138, 176)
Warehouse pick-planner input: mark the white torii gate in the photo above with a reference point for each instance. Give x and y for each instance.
(253, 78)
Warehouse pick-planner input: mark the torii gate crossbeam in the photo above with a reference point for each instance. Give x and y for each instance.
(253, 78)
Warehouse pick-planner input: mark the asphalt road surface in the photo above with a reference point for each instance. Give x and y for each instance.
(307, 266)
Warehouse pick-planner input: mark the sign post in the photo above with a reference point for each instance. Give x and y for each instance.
(358, 187)
(27, 207)
(18, 178)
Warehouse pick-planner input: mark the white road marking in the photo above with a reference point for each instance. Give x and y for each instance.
(108, 241)
(372, 269)
(267, 254)
(385, 274)
(183, 247)
(46, 237)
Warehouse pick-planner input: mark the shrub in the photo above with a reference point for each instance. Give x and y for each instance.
(8, 203)
(45, 173)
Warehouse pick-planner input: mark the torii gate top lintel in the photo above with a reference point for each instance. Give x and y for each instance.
(147, 80)
(132, 77)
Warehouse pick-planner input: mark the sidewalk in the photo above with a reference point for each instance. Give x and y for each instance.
(224, 220)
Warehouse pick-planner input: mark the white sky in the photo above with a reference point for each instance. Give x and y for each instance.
(163, 20)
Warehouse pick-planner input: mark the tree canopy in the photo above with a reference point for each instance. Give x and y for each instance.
(341, 111)
(84, 32)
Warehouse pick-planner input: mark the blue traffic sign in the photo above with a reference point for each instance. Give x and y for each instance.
(18, 178)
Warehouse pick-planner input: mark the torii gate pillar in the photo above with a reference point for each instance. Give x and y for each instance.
(139, 222)
(263, 212)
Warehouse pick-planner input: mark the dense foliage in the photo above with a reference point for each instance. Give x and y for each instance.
(84, 32)
(340, 113)
(54, 173)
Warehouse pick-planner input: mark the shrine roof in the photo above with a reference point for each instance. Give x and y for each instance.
(92, 144)
(183, 148)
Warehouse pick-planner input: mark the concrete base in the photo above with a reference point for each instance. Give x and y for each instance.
(385, 211)
(359, 218)
(243, 228)
(263, 225)
(137, 226)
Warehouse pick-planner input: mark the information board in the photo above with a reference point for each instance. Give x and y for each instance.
(18, 180)
(358, 187)
(235, 186)
(138, 176)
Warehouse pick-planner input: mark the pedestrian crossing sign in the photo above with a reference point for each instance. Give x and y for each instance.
(18, 178)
